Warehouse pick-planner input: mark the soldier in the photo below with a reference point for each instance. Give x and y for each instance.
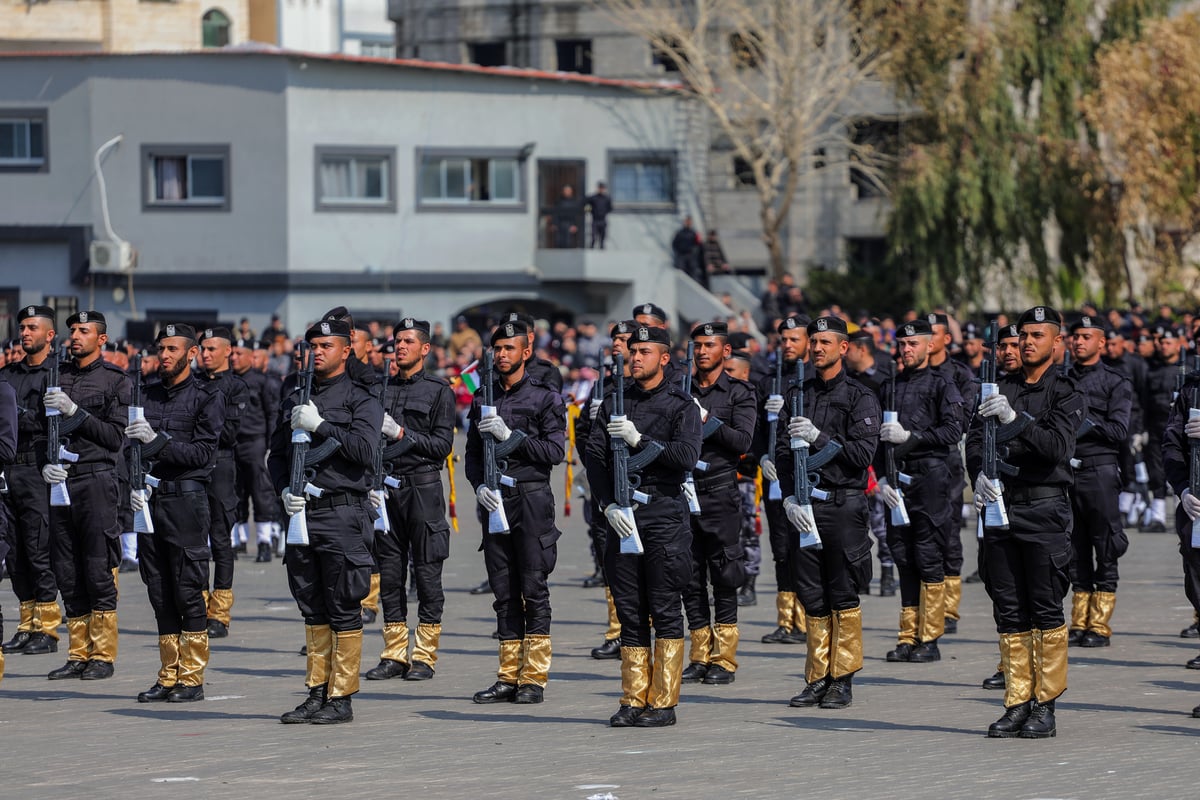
(790, 623)
(419, 426)
(1162, 385)
(1118, 356)
(738, 366)
(1097, 537)
(93, 399)
(330, 576)
(28, 560)
(179, 431)
(1038, 410)
(830, 579)
(727, 409)
(972, 347)
(647, 588)
(250, 451)
(928, 426)
(215, 347)
(1182, 436)
(546, 373)
(8, 449)
(519, 563)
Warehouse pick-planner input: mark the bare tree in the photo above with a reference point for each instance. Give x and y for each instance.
(783, 80)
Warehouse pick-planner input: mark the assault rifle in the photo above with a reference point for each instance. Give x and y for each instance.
(139, 477)
(1194, 451)
(773, 490)
(305, 458)
(804, 468)
(56, 445)
(493, 451)
(894, 476)
(383, 477)
(626, 479)
(994, 515)
(689, 481)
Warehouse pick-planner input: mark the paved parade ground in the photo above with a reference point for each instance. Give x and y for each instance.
(1124, 727)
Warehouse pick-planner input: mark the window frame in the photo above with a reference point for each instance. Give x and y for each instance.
(385, 206)
(518, 206)
(621, 205)
(151, 151)
(29, 116)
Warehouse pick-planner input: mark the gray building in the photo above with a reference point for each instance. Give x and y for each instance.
(259, 182)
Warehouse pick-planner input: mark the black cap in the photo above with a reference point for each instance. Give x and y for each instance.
(831, 324)
(1167, 332)
(654, 335)
(1009, 332)
(84, 317)
(738, 340)
(339, 313)
(918, 327)
(862, 335)
(650, 310)
(1039, 315)
(937, 319)
(176, 329)
(793, 322)
(1088, 322)
(217, 333)
(972, 331)
(387, 348)
(520, 316)
(111, 347)
(263, 344)
(328, 327)
(35, 311)
(623, 328)
(249, 344)
(740, 355)
(711, 329)
(410, 324)
(509, 330)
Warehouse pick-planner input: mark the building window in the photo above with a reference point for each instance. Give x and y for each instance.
(23, 141)
(186, 176)
(743, 173)
(470, 179)
(642, 179)
(574, 55)
(355, 179)
(486, 54)
(214, 28)
(667, 55)
(376, 49)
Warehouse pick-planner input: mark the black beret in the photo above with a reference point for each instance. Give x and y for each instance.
(650, 310)
(263, 344)
(623, 328)
(176, 329)
(328, 327)
(654, 335)
(862, 335)
(338, 313)
(111, 347)
(84, 317)
(217, 333)
(738, 340)
(1167, 332)
(1009, 332)
(972, 331)
(937, 319)
(249, 344)
(794, 322)
(740, 355)
(520, 316)
(1039, 315)
(387, 348)
(823, 324)
(918, 327)
(710, 329)
(509, 330)
(410, 324)
(35, 311)
(1088, 322)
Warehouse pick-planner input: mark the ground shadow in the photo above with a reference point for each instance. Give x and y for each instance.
(458, 716)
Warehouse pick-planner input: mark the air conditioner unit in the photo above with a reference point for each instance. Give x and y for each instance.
(112, 256)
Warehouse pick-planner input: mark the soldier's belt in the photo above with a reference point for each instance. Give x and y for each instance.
(520, 487)
(1094, 462)
(331, 499)
(709, 482)
(417, 478)
(27, 457)
(922, 464)
(179, 487)
(89, 469)
(1024, 495)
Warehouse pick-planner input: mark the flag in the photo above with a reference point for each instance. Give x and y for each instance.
(470, 377)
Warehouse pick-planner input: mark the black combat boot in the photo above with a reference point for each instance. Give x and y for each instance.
(96, 671)
(217, 629)
(1093, 639)
(418, 671)
(498, 692)
(694, 673)
(1074, 637)
(72, 669)
(593, 580)
(155, 694)
(655, 718)
(746, 595)
(950, 625)
(1190, 632)
(717, 676)
(264, 553)
(40, 644)
(887, 581)
(994, 682)
(335, 711)
(528, 694)
(812, 695)
(626, 717)
(839, 694)
(386, 669)
(1009, 726)
(1040, 724)
(186, 694)
(903, 652)
(303, 712)
(925, 653)
(610, 649)
(778, 636)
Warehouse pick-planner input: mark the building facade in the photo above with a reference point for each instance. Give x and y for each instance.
(122, 26)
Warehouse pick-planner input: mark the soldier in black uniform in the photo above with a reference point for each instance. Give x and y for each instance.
(93, 400)
(215, 347)
(1098, 538)
(1181, 436)
(546, 373)
(647, 588)
(250, 450)
(330, 575)
(1025, 567)
(1162, 381)
(179, 431)
(519, 563)
(28, 559)
(1117, 356)
(739, 365)
(728, 411)
(790, 623)
(419, 427)
(8, 450)
(830, 579)
(928, 426)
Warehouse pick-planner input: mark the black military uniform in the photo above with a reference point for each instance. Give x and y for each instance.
(1025, 567)
(519, 563)
(222, 488)
(330, 574)
(84, 533)
(8, 449)
(1097, 538)
(929, 410)
(250, 452)
(28, 560)
(647, 588)
(830, 579)
(729, 410)
(544, 371)
(1162, 381)
(1177, 459)
(422, 405)
(184, 419)
(1133, 368)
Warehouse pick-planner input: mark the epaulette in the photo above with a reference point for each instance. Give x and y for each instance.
(434, 378)
(114, 367)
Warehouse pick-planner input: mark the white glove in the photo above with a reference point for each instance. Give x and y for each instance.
(774, 404)
(1191, 429)
(54, 473)
(140, 429)
(626, 430)
(306, 417)
(891, 497)
(496, 427)
(997, 406)
(893, 433)
(689, 493)
(768, 468)
(138, 500)
(803, 428)
(58, 400)
(1190, 503)
(594, 408)
(292, 504)
(703, 410)
(800, 516)
(391, 428)
(487, 498)
(984, 488)
(376, 497)
(618, 521)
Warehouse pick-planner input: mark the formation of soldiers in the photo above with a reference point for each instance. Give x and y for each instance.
(1064, 433)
